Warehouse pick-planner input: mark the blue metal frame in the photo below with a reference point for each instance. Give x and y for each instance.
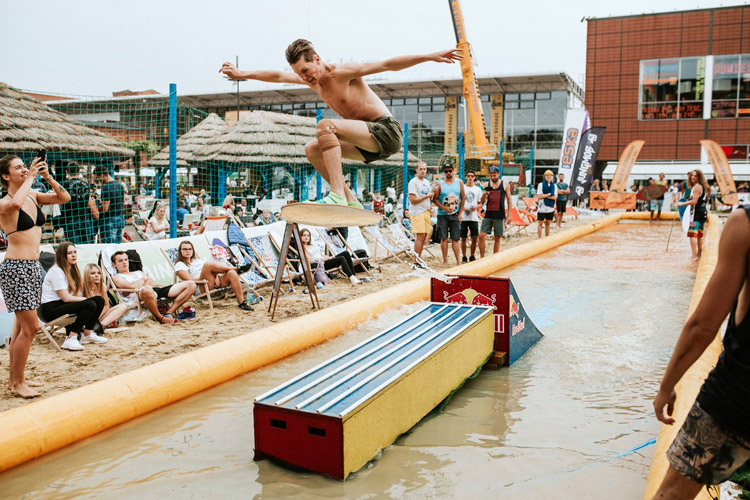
(172, 160)
(406, 166)
(318, 177)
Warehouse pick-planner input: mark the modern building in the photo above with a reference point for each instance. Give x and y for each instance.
(671, 79)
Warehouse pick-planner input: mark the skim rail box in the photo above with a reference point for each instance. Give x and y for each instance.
(515, 333)
(335, 418)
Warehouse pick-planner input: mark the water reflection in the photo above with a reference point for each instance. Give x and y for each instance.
(560, 424)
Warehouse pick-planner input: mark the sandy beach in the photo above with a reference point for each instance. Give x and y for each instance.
(147, 342)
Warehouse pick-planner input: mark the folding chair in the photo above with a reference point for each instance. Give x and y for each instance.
(50, 328)
(531, 208)
(518, 221)
(410, 236)
(108, 270)
(569, 210)
(337, 244)
(381, 240)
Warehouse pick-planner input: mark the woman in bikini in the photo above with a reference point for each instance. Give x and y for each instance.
(20, 273)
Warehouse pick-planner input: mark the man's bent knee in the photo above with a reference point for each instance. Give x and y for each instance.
(311, 149)
(327, 139)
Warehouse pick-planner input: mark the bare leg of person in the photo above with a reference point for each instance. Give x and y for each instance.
(180, 292)
(456, 251)
(498, 240)
(231, 278)
(675, 486)
(473, 246)
(482, 244)
(546, 227)
(148, 296)
(315, 156)
(539, 228)
(19, 353)
(463, 247)
(419, 243)
(444, 249)
(699, 247)
(694, 248)
(113, 314)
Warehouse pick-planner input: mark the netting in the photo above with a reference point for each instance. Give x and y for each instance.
(249, 167)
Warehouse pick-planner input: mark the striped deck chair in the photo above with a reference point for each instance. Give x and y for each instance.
(266, 249)
(381, 240)
(335, 243)
(171, 255)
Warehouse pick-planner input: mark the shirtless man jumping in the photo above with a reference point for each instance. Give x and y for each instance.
(367, 131)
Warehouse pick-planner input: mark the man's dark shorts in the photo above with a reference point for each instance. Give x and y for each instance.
(448, 225)
(545, 215)
(469, 226)
(386, 131)
(162, 292)
(560, 206)
(705, 453)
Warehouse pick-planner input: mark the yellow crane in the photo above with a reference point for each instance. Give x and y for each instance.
(480, 153)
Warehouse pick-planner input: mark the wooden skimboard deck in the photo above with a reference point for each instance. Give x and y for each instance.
(319, 214)
(651, 192)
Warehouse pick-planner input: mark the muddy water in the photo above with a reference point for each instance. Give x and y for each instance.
(565, 422)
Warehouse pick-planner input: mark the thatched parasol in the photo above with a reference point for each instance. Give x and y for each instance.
(191, 141)
(28, 125)
(263, 137)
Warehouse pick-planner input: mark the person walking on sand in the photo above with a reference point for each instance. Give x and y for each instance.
(699, 193)
(714, 441)
(20, 273)
(367, 131)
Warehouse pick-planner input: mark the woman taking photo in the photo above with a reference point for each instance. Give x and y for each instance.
(158, 225)
(61, 294)
(343, 260)
(20, 273)
(699, 195)
(93, 286)
(189, 267)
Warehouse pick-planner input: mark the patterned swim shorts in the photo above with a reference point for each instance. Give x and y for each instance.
(21, 284)
(705, 453)
(696, 229)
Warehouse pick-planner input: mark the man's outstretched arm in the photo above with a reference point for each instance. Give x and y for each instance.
(230, 71)
(355, 70)
(718, 298)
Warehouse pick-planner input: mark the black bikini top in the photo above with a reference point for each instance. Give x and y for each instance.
(24, 220)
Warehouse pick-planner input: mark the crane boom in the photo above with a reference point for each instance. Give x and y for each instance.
(478, 143)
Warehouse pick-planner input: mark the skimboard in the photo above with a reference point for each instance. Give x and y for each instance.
(686, 214)
(651, 192)
(319, 214)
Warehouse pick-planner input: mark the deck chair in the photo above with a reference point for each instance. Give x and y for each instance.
(399, 238)
(381, 240)
(171, 255)
(518, 221)
(569, 210)
(245, 254)
(132, 233)
(410, 236)
(108, 270)
(335, 243)
(215, 223)
(531, 206)
(269, 258)
(50, 328)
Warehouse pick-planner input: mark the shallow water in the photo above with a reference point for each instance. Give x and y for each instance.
(561, 423)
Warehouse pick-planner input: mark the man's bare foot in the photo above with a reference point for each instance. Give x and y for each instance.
(32, 383)
(23, 390)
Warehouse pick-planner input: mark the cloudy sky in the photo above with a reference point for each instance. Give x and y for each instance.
(85, 47)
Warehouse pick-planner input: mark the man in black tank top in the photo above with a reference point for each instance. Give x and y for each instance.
(715, 438)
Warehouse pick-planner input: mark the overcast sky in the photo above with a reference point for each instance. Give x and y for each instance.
(87, 47)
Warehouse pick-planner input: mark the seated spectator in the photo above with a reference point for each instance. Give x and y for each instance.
(266, 217)
(189, 267)
(181, 212)
(144, 288)
(158, 225)
(406, 221)
(93, 286)
(378, 203)
(61, 294)
(228, 202)
(314, 255)
(154, 208)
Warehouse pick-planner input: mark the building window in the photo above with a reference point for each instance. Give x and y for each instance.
(672, 88)
(725, 86)
(511, 105)
(527, 97)
(511, 97)
(543, 96)
(527, 104)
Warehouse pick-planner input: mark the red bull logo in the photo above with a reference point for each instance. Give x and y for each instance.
(470, 297)
(514, 307)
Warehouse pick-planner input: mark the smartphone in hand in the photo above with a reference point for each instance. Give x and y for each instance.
(42, 154)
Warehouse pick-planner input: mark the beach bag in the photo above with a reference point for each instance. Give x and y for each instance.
(134, 260)
(320, 275)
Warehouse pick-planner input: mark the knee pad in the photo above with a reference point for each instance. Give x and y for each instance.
(327, 137)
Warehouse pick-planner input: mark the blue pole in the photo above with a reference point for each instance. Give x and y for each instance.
(377, 181)
(501, 159)
(531, 166)
(406, 165)
(172, 160)
(461, 156)
(355, 174)
(318, 177)
(222, 184)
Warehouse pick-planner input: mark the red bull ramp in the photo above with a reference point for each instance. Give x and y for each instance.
(515, 333)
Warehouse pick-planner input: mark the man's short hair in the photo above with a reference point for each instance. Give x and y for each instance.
(119, 252)
(298, 49)
(101, 170)
(72, 168)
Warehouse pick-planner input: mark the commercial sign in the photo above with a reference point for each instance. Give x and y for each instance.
(583, 170)
(576, 123)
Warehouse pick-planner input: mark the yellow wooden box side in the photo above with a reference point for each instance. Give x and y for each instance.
(399, 407)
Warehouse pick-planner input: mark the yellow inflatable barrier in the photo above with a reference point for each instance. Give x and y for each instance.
(49, 424)
(689, 386)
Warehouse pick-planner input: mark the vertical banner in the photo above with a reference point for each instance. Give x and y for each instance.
(583, 169)
(496, 118)
(722, 172)
(576, 123)
(620, 180)
(451, 126)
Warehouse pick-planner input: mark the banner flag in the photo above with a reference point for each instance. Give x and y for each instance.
(624, 166)
(583, 170)
(722, 172)
(576, 123)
